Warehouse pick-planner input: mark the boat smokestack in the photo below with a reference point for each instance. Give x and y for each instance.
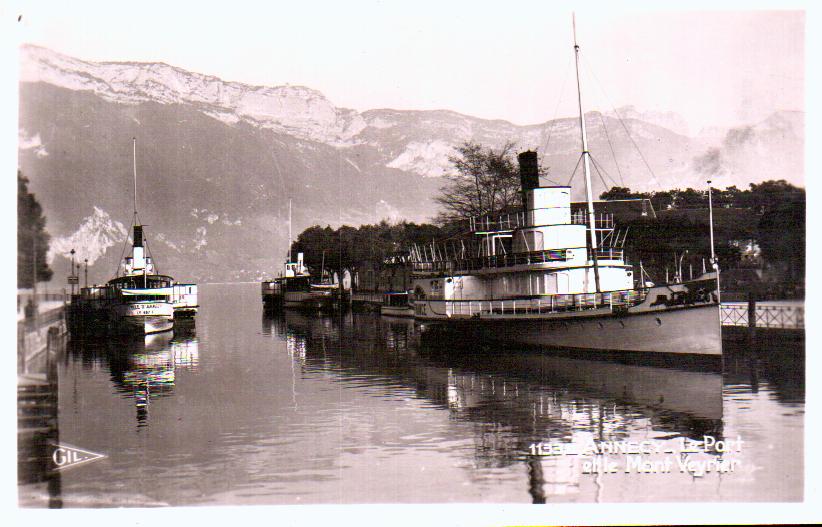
(528, 170)
(138, 236)
(138, 254)
(528, 173)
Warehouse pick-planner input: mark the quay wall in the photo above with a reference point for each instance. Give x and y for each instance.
(36, 335)
(41, 340)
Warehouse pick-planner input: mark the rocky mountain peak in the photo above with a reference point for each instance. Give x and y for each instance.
(92, 239)
(296, 110)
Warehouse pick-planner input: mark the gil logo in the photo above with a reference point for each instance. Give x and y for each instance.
(67, 456)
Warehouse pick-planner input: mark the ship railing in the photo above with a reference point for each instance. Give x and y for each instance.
(511, 221)
(602, 221)
(544, 304)
(503, 222)
(608, 253)
(493, 262)
(508, 260)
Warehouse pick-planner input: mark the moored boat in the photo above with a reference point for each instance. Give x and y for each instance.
(549, 277)
(184, 299)
(294, 289)
(271, 292)
(140, 300)
(397, 304)
(87, 307)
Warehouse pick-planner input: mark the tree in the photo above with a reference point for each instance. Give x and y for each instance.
(781, 230)
(691, 199)
(320, 246)
(330, 249)
(485, 181)
(659, 200)
(774, 194)
(32, 238)
(659, 243)
(770, 215)
(615, 193)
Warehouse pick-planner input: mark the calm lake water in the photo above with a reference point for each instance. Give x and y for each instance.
(246, 408)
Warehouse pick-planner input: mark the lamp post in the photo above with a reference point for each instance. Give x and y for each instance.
(71, 274)
(85, 278)
(714, 262)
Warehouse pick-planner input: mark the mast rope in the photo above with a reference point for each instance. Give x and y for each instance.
(556, 110)
(611, 146)
(575, 171)
(148, 253)
(598, 166)
(624, 126)
(122, 255)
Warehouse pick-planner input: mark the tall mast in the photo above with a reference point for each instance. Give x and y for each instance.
(289, 230)
(711, 222)
(134, 165)
(586, 169)
(714, 261)
(138, 257)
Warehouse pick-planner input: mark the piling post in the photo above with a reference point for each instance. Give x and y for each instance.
(751, 319)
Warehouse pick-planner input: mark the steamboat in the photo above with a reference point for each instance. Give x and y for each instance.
(294, 289)
(139, 300)
(552, 277)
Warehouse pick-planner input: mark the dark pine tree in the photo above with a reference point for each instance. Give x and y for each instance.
(32, 238)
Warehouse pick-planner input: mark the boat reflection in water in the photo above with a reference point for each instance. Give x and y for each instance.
(145, 368)
(515, 399)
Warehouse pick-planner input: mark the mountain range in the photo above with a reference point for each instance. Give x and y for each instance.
(218, 162)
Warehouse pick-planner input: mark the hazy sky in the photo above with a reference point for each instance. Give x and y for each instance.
(505, 60)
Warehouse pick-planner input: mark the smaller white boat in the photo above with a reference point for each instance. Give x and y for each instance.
(184, 299)
(397, 304)
(271, 292)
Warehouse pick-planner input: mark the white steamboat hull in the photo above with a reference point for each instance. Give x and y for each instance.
(143, 319)
(687, 330)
